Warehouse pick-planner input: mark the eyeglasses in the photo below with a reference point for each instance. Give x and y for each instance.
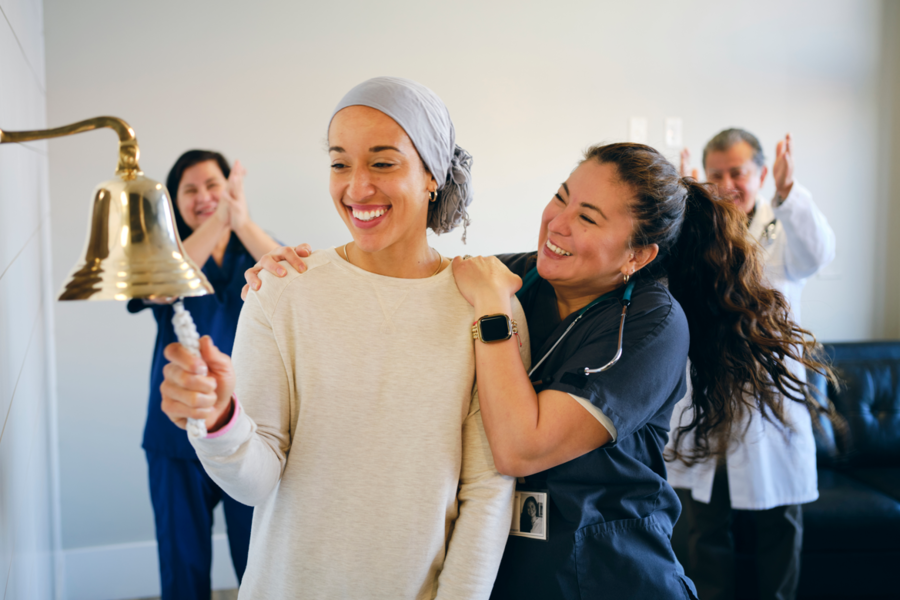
(738, 174)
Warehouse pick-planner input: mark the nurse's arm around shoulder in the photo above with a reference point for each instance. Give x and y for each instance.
(528, 432)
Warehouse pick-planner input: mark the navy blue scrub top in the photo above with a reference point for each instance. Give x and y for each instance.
(611, 510)
(216, 315)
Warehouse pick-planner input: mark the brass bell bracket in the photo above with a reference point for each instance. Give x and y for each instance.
(129, 153)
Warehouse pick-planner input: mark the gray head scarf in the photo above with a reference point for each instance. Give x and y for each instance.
(426, 121)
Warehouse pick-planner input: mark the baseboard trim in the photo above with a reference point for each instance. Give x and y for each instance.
(127, 571)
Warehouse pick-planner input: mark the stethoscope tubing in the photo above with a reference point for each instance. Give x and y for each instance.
(552, 348)
(626, 302)
(618, 355)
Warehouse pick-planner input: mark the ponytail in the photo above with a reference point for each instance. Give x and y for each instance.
(743, 338)
(742, 333)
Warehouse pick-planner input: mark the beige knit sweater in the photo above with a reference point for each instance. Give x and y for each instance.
(361, 442)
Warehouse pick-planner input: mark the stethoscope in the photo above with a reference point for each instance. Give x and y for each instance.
(769, 231)
(532, 276)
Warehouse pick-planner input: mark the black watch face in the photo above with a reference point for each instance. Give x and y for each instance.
(494, 329)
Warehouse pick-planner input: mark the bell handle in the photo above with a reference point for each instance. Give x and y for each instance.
(129, 153)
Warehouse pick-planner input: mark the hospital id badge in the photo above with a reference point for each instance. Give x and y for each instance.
(530, 514)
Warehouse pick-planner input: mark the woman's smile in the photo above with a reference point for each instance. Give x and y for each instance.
(554, 251)
(367, 216)
(205, 211)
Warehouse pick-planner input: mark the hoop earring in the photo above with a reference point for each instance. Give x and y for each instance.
(432, 196)
(627, 277)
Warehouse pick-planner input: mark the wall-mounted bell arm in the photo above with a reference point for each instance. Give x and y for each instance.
(129, 153)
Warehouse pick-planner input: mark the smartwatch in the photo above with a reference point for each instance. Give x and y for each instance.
(494, 328)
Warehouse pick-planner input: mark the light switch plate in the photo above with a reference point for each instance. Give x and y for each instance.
(673, 132)
(637, 130)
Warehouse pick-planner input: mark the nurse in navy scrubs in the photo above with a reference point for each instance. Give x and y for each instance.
(623, 232)
(213, 221)
(623, 236)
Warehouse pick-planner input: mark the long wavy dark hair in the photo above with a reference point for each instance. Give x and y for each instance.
(743, 337)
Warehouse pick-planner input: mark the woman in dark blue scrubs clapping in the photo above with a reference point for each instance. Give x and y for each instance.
(622, 225)
(637, 270)
(213, 221)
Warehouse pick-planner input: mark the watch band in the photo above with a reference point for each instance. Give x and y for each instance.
(512, 329)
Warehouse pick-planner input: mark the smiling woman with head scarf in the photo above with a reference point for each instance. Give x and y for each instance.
(355, 380)
(427, 122)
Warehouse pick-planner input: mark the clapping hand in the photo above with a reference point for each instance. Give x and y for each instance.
(239, 216)
(783, 169)
(686, 170)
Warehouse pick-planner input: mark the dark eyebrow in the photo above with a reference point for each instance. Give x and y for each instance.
(383, 148)
(563, 184)
(584, 204)
(592, 207)
(373, 149)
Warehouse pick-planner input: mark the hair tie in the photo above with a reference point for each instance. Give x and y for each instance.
(460, 167)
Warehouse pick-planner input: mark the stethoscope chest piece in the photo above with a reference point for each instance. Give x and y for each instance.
(769, 232)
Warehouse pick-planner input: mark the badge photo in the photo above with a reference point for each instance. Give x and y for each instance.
(530, 515)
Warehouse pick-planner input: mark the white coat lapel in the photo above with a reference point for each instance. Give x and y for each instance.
(763, 216)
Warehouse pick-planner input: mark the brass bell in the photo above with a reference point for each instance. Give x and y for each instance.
(133, 249)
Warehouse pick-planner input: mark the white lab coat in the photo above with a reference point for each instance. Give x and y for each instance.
(770, 467)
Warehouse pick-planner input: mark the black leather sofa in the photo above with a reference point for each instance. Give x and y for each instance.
(851, 538)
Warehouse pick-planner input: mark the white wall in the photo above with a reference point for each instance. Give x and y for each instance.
(28, 494)
(889, 124)
(529, 85)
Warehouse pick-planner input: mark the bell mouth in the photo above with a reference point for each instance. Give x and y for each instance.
(148, 280)
(133, 249)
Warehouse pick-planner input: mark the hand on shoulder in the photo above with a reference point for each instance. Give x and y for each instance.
(269, 262)
(483, 279)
